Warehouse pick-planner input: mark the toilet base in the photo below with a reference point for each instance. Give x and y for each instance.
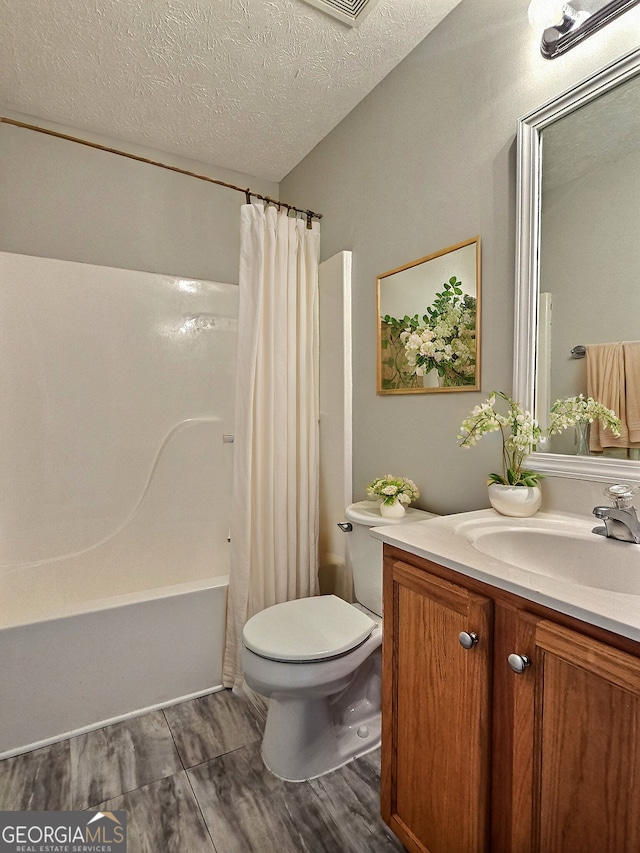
(307, 737)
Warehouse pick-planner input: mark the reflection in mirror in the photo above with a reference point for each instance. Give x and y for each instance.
(590, 262)
(429, 323)
(577, 299)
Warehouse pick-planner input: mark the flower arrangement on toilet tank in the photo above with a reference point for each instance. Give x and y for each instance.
(393, 490)
(396, 493)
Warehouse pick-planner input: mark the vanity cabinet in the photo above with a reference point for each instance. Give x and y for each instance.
(479, 758)
(435, 791)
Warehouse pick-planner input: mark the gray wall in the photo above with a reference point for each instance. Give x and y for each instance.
(63, 200)
(427, 160)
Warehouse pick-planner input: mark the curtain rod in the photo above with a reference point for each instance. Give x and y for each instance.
(248, 193)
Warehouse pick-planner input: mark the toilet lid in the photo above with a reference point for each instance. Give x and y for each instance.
(307, 629)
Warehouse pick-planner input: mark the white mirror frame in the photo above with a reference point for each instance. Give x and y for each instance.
(528, 269)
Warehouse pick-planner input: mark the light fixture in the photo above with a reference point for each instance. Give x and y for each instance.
(554, 13)
(564, 26)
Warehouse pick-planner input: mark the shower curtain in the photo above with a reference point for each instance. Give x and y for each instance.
(274, 528)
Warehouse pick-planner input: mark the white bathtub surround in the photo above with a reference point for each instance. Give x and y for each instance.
(99, 366)
(274, 527)
(114, 555)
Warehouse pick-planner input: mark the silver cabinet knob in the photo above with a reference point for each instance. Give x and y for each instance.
(519, 663)
(468, 639)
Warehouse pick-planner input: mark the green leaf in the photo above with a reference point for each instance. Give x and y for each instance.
(496, 478)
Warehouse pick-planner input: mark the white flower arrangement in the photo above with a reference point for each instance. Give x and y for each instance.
(574, 410)
(392, 489)
(524, 433)
(520, 435)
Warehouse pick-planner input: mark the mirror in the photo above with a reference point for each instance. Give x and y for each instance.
(429, 323)
(577, 261)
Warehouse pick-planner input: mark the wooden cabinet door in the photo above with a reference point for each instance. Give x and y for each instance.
(436, 713)
(584, 779)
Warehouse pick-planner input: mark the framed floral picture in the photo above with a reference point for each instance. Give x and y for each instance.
(429, 323)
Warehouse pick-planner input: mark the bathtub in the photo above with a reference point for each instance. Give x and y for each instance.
(121, 656)
(132, 623)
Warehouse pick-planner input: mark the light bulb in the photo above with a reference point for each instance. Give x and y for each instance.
(545, 13)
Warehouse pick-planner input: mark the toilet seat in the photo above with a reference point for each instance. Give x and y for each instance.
(307, 629)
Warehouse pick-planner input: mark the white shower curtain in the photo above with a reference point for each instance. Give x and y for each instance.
(274, 528)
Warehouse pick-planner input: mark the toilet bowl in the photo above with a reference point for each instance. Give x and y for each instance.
(318, 660)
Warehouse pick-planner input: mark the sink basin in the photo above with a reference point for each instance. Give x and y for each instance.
(563, 549)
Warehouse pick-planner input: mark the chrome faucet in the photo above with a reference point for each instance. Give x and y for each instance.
(620, 519)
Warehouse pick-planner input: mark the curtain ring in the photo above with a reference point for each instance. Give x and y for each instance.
(247, 195)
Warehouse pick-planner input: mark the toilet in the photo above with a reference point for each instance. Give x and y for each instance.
(318, 660)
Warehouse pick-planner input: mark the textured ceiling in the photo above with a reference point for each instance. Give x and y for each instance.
(249, 85)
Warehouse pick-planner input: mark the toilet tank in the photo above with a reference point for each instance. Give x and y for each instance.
(364, 553)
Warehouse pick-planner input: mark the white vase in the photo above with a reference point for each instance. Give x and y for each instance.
(394, 510)
(515, 501)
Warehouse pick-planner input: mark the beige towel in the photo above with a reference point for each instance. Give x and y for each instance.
(605, 383)
(631, 352)
(613, 379)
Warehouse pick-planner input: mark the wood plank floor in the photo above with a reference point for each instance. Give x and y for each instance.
(191, 780)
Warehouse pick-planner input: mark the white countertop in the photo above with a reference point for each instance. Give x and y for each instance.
(444, 540)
